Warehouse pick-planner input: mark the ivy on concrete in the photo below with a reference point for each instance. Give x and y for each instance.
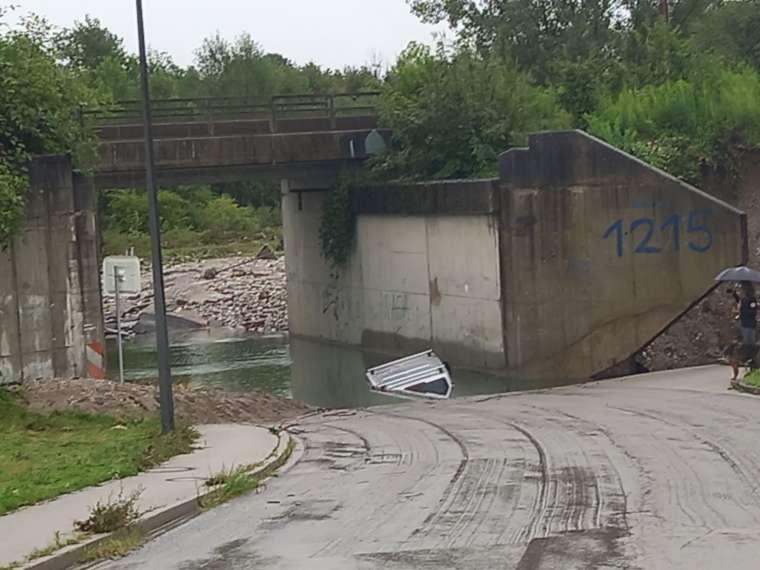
(337, 230)
(12, 187)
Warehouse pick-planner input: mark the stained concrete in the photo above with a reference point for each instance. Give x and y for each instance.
(650, 472)
(49, 279)
(413, 282)
(206, 159)
(600, 253)
(565, 266)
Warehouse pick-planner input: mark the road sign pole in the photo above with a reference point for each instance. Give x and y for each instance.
(116, 283)
(162, 337)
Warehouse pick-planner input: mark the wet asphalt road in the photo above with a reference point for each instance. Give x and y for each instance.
(660, 471)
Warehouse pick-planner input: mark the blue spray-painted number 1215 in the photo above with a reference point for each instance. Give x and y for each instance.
(643, 229)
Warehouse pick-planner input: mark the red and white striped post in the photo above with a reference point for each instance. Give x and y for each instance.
(95, 363)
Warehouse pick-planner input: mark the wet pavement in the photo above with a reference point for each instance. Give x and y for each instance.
(658, 471)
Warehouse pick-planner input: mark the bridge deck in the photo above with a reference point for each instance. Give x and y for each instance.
(219, 140)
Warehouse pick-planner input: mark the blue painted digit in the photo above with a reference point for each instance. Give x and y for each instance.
(698, 226)
(644, 246)
(675, 221)
(616, 227)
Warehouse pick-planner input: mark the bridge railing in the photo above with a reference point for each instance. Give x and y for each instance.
(208, 109)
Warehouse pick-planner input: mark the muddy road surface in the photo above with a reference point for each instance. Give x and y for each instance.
(657, 472)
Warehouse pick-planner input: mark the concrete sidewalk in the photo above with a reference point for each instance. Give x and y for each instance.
(165, 487)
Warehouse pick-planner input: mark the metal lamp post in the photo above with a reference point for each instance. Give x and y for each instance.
(162, 337)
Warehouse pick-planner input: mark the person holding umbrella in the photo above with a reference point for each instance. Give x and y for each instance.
(746, 305)
(747, 308)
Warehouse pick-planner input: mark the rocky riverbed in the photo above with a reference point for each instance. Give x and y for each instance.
(241, 293)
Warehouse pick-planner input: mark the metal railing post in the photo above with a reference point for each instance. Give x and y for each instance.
(331, 110)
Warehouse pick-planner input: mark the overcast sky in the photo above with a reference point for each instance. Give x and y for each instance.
(331, 33)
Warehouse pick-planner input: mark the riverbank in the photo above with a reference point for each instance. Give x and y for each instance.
(193, 405)
(240, 293)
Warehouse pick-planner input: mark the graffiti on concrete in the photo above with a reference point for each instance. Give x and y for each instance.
(645, 234)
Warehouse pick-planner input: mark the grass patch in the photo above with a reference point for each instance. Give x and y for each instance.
(116, 546)
(46, 455)
(232, 483)
(752, 378)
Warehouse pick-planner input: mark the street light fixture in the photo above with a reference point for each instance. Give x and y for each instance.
(162, 336)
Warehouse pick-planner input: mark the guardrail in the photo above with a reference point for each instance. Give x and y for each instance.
(208, 109)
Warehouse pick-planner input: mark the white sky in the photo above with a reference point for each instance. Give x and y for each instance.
(331, 33)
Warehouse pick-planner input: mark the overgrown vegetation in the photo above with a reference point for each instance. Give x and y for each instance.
(675, 83)
(453, 112)
(195, 222)
(39, 100)
(45, 455)
(752, 378)
(114, 514)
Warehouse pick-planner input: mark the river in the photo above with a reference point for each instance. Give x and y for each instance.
(319, 374)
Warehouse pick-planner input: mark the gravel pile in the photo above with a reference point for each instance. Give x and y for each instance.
(192, 405)
(239, 293)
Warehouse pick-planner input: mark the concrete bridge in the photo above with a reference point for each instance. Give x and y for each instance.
(569, 262)
(563, 267)
(306, 139)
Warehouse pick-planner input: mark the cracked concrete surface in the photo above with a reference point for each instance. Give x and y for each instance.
(658, 471)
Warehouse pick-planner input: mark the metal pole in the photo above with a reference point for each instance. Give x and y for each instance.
(116, 282)
(162, 336)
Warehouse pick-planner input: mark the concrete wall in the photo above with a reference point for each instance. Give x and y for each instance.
(49, 287)
(413, 281)
(565, 266)
(600, 253)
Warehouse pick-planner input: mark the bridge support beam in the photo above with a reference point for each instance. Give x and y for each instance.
(566, 265)
(50, 304)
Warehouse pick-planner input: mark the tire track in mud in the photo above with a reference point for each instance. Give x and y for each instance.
(691, 485)
(716, 449)
(582, 488)
(484, 490)
(591, 427)
(379, 505)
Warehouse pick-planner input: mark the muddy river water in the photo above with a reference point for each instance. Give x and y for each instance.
(319, 374)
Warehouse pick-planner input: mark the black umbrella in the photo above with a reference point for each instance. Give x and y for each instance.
(739, 274)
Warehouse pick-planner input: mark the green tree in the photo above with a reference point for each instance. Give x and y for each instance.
(242, 69)
(39, 103)
(452, 114)
(88, 44)
(534, 33)
(731, 32)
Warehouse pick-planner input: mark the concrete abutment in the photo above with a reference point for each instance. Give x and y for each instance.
(564, 266)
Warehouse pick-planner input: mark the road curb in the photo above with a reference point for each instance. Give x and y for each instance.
(746, 388)
(162, 520)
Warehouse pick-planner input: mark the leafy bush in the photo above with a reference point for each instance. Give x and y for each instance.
(683, 124)
(39, 100)
(127, 211)
(224, 215)
(453, 114)
(12, 188)
(176, 212)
